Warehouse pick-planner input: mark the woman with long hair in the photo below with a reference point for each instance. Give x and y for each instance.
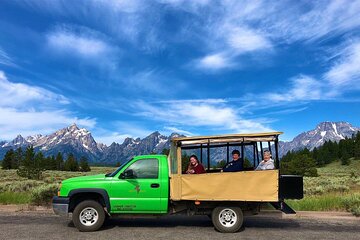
(195, 167)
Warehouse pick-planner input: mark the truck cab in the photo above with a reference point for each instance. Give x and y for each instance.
(158, 184)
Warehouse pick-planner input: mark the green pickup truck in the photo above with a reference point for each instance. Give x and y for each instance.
(157, 185)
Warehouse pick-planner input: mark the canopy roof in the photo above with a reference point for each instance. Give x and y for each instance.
(228, 138)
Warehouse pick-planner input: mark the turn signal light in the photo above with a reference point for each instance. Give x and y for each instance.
(58, 193)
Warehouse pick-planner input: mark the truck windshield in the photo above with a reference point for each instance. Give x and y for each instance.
(118, 169)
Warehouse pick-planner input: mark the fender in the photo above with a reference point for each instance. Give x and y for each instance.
(100, 191)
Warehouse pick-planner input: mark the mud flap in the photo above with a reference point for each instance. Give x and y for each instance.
(282, 206)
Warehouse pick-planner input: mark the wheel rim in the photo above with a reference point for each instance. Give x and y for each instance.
(89, 216)
(228, 217)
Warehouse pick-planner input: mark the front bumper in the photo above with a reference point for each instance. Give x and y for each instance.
(61, 205)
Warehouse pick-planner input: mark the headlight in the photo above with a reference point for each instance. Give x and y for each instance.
(58, 193)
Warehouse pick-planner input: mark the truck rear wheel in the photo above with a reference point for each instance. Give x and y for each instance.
(227, 219)
(88, 216)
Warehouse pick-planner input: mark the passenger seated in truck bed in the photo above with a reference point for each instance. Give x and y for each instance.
(267, 163)
(195, 167)
(236, 164)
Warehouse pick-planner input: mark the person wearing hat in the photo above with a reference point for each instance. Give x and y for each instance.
(236, 164)
(267, 163)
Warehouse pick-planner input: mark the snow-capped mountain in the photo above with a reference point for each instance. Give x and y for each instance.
(154, 143)
(325, 131)
(80, 142)
(19, 141)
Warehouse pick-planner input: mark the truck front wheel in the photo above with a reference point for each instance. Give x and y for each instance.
(88, 216)
(227, 219)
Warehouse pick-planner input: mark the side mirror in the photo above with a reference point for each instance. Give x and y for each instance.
(129, 173)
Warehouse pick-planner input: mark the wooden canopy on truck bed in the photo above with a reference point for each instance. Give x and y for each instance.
(223, 186)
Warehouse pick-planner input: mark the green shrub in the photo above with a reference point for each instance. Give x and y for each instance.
(351, 202)
(329, 202)
(17, 186)
(30, 173)
(42, 195)
(14, 197)
(355, 210)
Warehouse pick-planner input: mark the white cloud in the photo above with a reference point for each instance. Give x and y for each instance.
(206, 100)
(127, 6)
(345, 72)
(303, 88)
(5, 59)
(252, 27)
(27, 122)
(177, 130)
(27, 110)
(214, 62)
(244, 40)
(17, 94)
(320, 19)
(85, 43)
(213, 117)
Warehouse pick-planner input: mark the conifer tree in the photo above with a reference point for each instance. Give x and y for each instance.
(71, 164)
(84, 165)
(8, 159)
(59, 162)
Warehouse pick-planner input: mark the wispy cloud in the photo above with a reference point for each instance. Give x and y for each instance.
(79, 41)
(250, 27)
(345, 72)
(170, 130)
(213, 117)
(26, 110)
(316, 20)
(120, 130)
(17, 94)
(5, 59)
(342, 76)
(303, 88)
(214, 62)
(244, 40)
(27, 122)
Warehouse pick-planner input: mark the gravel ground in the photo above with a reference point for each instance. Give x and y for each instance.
(46, 225)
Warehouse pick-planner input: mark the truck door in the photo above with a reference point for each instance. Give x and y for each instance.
(137, 189)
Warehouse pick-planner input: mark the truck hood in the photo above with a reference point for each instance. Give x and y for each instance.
(85, 178)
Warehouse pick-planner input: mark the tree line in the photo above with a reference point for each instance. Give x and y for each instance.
(304, 162)
(29, 160)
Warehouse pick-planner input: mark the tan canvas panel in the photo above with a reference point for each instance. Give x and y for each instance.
(175, 187)
(235, 186)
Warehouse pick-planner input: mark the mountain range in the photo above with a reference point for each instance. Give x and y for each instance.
(324, 131)
(80, 142)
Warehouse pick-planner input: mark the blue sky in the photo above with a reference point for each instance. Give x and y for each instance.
(128, 68)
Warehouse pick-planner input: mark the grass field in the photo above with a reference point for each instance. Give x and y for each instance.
(17, 190)
(336, 189)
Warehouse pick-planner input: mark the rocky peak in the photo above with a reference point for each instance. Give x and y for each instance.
(19, 141)
(34, 138)
(73, 127)
(324, 131)
(155, 134)
(128, 141)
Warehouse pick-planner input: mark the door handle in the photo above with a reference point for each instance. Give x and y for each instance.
(155, 185)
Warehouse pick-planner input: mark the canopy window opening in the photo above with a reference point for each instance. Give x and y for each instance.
(215, 157)
(214, 152)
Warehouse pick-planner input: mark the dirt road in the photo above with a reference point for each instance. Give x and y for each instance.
(45, 225)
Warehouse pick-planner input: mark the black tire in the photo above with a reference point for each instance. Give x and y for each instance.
(227, 219)
(92, 214)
